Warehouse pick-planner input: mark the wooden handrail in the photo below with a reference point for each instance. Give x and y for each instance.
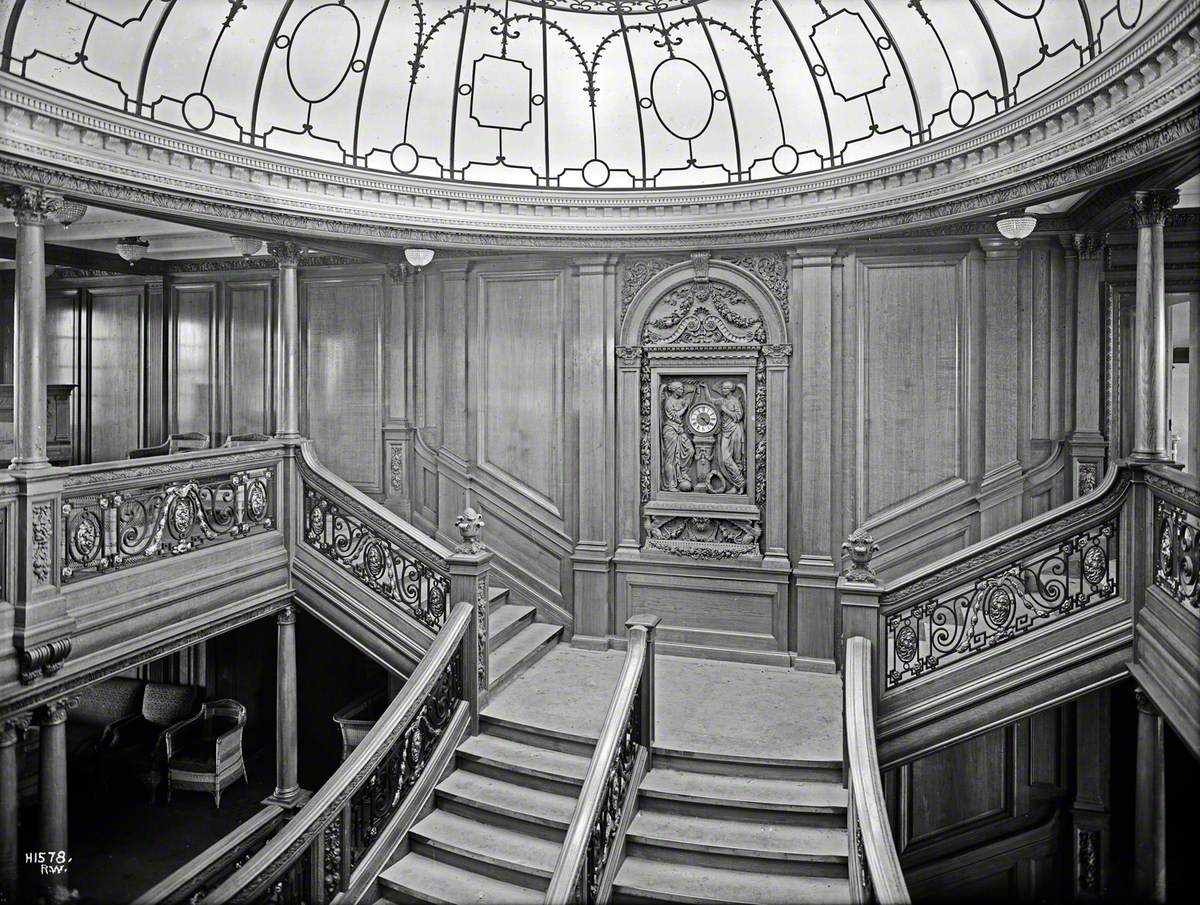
(629, 721)
(307, 828)
(878, 876)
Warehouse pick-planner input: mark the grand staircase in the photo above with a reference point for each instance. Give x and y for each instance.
(709, 828)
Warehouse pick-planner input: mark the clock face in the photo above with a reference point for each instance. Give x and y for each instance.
(702, 418)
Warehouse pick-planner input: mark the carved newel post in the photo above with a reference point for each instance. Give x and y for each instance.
(287, 347)
(11, 731)
(287, 785)
(469, 564)
(31, 209)
(1151, 352)
(1150, 806)
(859, 589)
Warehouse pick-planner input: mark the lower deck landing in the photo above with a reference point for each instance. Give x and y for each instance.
(704, 706)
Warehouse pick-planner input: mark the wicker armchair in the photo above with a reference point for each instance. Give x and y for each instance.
(173, 444)
(205, 751)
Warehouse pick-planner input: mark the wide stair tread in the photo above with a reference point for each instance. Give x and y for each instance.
(744, 791)
(746, 838)
(506, 621)
(487, 843)
(643, 878)
(507, 799)
(423, 879)
(518, 757)
(522, 649)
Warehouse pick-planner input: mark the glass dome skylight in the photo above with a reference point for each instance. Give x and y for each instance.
(602, 94)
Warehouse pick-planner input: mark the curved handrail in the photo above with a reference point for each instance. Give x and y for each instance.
(307, 828)
(875, 864)
(1014, 542)
(610, 773)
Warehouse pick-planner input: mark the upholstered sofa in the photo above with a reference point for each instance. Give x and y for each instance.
(120, 725)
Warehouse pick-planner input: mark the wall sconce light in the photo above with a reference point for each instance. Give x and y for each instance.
(245, 245)
(132, 248)
(69, 212)
(418, 257)
(1016, 225)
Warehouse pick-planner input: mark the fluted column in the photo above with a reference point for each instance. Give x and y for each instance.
(11, 731)
(1150, 806)
(1152, 350)
(287, 348)
(52, 800)
(31, 209)
(287, 786)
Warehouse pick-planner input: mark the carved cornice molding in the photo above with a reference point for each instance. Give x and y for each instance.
(1135, 103)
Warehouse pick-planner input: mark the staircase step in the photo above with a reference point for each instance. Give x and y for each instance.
(793, 769)
(486, 797)
(495, 851)
(505, 621)
(418, 878)
(527, 646)
(524, 764)
(692, 839)
(537, 736)
(783, 798)
(497, 597)
(641, 879)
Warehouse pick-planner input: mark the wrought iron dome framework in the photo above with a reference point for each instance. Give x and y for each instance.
(569, 94)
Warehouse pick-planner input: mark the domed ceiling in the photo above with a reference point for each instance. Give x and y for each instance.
(602, 94)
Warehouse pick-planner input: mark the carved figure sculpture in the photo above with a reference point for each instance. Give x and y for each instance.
(677, 448)
(731, 447)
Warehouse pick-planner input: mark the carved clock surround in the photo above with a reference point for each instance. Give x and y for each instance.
(703, 360)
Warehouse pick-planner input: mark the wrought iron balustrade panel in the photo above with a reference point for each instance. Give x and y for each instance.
(617, 787)
(117, 530)
(375, 802)
(387, 564)
(1177, 553)
(1006, 603)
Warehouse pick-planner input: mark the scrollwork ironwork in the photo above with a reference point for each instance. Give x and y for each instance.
(376, 800)
(398, 573)
(1177, 553)
(108, 531)
(612, 802)
(1079, 571)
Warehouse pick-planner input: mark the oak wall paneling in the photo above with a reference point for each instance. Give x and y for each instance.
(342, 318)
(114, 372)
(194, 400)
(248, 361)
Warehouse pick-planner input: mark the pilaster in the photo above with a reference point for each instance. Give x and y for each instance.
(1150, 805)
(1086, 445)
(398, 368)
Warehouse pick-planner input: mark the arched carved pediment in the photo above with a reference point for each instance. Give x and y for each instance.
(705, 302)
(704, 314)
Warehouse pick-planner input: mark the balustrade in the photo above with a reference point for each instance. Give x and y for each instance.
(590, 854)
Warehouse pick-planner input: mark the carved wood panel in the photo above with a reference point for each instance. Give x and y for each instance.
(248, 333)
(193, 358)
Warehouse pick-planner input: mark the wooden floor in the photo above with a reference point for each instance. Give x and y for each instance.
(704, 706)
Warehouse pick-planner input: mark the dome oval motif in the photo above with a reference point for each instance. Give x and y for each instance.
(683, 97)
(321, 51)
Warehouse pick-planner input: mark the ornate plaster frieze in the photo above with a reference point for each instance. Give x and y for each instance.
(1127, 108)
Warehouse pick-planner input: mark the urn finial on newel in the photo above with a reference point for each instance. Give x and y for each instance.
(860, 546)
(470, 523)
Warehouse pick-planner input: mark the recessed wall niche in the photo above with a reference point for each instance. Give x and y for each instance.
(702, 392)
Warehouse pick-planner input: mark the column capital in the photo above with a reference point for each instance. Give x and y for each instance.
(1150, 208)
(1089, 245)
(54, 712)
(286, 252)
(286, 616)
(1143, 702)
(31, 206)
(13, 727)
(630, 356)
(777, 354)
(398, 273)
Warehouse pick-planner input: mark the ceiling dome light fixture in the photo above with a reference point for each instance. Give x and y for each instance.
(1016, 225)
(69, 212)
(245, 245)
(132, 248)
(418, 257)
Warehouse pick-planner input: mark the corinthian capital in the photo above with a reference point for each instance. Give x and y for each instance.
(1150, 208)
(285, 253)
(1089, 245)
(31, 206)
